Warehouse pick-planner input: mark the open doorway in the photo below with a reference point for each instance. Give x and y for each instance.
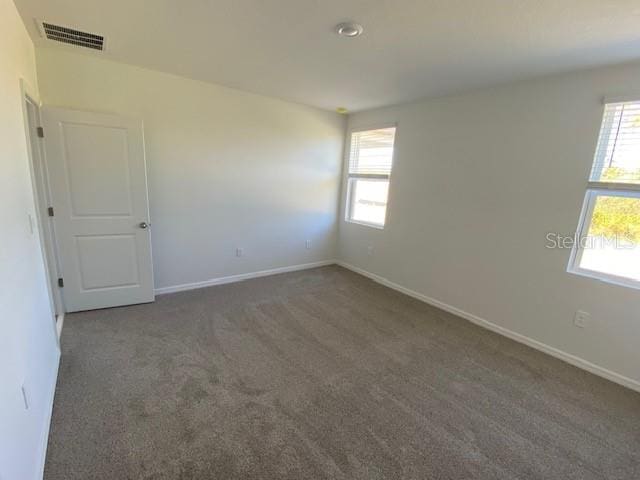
(42, 198)
(96, 169)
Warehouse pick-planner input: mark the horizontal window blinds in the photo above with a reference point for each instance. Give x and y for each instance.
(617, 157)
(371, 152)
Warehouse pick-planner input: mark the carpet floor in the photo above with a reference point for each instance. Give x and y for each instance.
(324, 374)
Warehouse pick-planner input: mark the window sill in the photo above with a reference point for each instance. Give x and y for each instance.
(606, 278)
(365, 224)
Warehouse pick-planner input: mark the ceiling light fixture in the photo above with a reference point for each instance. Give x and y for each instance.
(349, 29)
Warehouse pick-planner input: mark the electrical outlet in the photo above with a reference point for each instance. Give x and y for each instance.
(239, 252)
(370, 250)
(581, 319)
(307, 244)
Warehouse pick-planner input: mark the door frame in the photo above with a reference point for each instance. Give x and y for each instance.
(42, 199)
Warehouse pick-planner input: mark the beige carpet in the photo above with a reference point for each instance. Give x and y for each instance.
(323, 374)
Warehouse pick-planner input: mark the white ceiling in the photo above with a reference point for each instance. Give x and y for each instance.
(409, 49)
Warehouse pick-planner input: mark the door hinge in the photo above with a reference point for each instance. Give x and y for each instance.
(40, 131)
(50, 210)
(60, 282)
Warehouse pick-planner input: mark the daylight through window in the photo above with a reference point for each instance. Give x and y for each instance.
(370, 162)
(609, 232)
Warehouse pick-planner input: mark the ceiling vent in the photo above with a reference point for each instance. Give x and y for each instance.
(72, 36)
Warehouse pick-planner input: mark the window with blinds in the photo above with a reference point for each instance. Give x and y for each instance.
(608, 239)
(370, 163)
(617, 157)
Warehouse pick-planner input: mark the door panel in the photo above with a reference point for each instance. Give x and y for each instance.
(107, 261)
(99, 192)
(99, 180)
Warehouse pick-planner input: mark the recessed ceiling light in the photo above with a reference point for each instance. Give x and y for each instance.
(349, 29)
(342, 110)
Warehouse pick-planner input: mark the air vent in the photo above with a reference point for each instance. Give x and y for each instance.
(73, 37)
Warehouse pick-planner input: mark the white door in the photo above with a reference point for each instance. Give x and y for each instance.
(101, 214)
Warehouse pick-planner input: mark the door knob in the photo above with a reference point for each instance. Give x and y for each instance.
(143, 225)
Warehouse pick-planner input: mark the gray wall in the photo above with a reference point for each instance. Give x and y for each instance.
(28, 346)
(479, 179)
(226, 168)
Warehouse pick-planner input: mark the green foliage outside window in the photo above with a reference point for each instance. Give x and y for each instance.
(617, 216)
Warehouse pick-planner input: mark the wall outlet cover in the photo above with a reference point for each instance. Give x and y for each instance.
(581, 319)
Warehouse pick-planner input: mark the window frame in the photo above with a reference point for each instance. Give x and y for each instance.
(348, 201)
(594, 190)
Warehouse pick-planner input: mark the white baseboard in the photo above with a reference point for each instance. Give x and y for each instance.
(554, 352)
(241, 277)
(44, 442)
(567, 357)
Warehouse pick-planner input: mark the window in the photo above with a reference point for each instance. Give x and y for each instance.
(608, 245)
(370, 160)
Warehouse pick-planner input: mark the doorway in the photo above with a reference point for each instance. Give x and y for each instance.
(90, 189)
(42, 196)
(98, 184)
